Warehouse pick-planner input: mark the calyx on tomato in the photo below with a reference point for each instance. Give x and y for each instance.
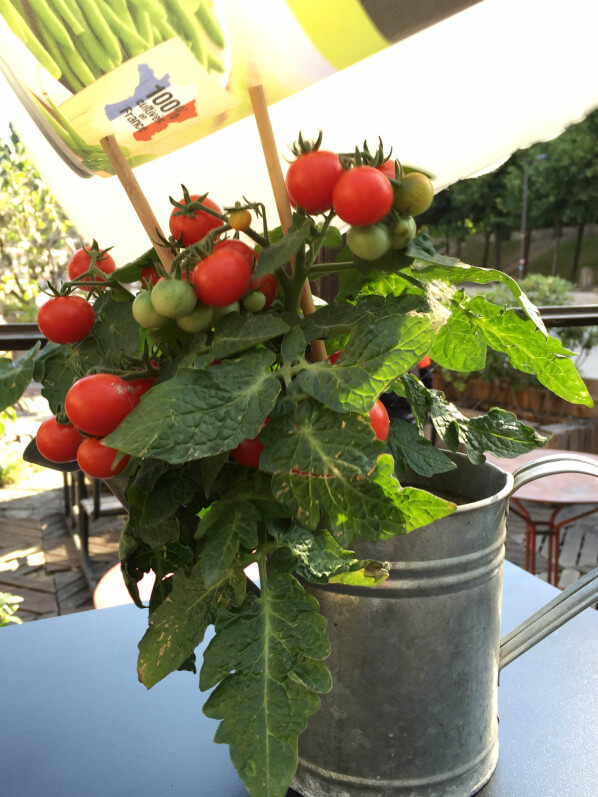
(190, 224)
(80, 263)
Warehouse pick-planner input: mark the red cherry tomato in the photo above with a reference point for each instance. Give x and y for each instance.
(334, 357)
(139, 387)
(194, 228)
(149, 276)
(311, 180)
(248, 452)
(234, 245)
(58, 442)
(388, 168)
(97, 460)
(221, 278)
(380, 420)
(96, 404)
(363, 196)
(66, 319)
(266, 285)
(79, 264)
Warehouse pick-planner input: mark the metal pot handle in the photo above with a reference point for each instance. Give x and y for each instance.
(574, 599)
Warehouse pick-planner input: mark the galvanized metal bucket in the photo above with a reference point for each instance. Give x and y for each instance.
(415, 661)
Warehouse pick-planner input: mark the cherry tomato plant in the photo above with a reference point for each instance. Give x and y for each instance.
(200, 399)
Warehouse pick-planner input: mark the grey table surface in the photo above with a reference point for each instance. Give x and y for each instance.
(75, 722)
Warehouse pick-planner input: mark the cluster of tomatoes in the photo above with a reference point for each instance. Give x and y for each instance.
(94, 405)
(217, 283)
(379, 202)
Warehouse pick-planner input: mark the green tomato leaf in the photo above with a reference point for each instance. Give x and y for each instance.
(498, 432)
(315, 441)
(461, 272)
(199, 413)
(225, 526)
(14, 377)
(373, 507)
(61, 366)
(380, 349)
(175, 487)
(115, 329)
(276, 256)
(333, 238)
(319, 558)
(459, 345)
(236, 333)
(210, 468)
(530, 350)
(410, 450)
(266, 658)
(294, 344)
(178, 625)
(131, 272)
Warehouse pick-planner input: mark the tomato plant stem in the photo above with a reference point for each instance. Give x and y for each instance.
(321, 269)
(319, 241)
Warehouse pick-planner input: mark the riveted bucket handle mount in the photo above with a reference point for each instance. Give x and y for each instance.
(578, 596)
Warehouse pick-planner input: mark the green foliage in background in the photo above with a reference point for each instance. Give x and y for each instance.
(36, 237)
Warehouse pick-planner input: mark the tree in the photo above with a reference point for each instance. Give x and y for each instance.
(36, 237)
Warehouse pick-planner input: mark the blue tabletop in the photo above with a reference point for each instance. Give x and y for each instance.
(75, 722)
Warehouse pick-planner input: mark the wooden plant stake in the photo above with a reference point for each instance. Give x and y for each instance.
(264, 126)
(140, 204)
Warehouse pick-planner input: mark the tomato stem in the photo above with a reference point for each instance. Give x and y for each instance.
(321, 269)
(319, 240)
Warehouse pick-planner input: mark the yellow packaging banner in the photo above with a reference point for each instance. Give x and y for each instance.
(154, 103)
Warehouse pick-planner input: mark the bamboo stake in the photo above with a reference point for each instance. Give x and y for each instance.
(140, 204)
(264, 126)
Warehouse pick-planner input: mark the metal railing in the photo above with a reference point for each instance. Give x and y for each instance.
(19, 337)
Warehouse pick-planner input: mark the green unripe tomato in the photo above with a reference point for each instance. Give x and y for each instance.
(369, 243)
(254, 301)
(403, 232)
(173, 298)
(198, 319)
(145, 313)
(228, 308)
(414, 195)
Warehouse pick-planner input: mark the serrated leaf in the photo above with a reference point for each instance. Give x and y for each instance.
(63, 366)
(14, 377)
(422, 249)
(266, 658)
(199, 413)
(293, 345)
(131, 272)
(370, 575)
(236, 333)
(210, 468)
(333, 238)
(115, 329)
(175, 487)
(317, 441)
(177, 626)
(274, 257)
(375, 507)
(530, 350)
(499, 432)
(319, 558)
(380, 349)
(459, 346)
(410, 450)
(224, 527)
(461, 272)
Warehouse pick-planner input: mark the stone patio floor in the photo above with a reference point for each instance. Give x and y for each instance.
(38, 560)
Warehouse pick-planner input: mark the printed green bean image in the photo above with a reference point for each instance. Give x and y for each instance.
(79, 42)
